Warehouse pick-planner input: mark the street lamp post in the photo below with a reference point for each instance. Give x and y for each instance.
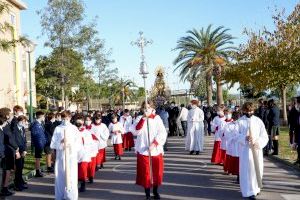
(29, 49)
(141, 43)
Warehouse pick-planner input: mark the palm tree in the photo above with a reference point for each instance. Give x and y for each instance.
(204, 51)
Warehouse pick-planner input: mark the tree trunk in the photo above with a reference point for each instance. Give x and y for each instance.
(283, 99)
(220, 100)
(63, 97)
(209, 88)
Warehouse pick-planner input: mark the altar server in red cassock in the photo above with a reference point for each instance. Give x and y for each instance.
(231, 134)
(218, 124)
(87, 142)
(93, 150)
(151, 124)
(224, 142)
(126, 121)
(101, 131)
(116, 131)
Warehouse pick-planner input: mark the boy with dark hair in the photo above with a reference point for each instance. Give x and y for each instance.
(20, 138)
(11, 151)
(38, 138)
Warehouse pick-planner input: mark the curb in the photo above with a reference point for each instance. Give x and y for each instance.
(28, 175)
(282, 161)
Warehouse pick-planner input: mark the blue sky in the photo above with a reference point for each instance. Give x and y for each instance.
(163, 21)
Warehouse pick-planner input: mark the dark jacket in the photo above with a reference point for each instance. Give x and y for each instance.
(38, 136)
(274, 116)
(13, 123)
(294, 124)
(2, 147)
(20, 138)
(173, 113)
(9, 142)
(49, 130)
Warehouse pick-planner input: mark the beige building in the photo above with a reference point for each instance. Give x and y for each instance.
(14, 65)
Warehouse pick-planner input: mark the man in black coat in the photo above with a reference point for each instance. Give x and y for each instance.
(20, 138)
(173, 115)
(11, 151)
(295, 127)
(273, 129)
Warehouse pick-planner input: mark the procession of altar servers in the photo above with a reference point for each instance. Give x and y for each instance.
(88, 138)
(232, 146)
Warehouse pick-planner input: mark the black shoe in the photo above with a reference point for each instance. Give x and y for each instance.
(156, 196)
(39, 174)
(119, 158)
(82, 187)
(116, 157)
(18, 188)
(24, 187)
(191, 152)
(101, 167)
(50, 169)
(197, 152)
(97, 168)
(252, 197)
(148, 198)
(129, 149)
(5, 192)
(91, 180)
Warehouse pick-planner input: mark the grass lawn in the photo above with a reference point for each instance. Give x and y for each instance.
(285, 151)
(30, 161)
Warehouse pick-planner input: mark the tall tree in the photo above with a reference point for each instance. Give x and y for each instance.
(205, 51)
(271, 59)
(63, 22)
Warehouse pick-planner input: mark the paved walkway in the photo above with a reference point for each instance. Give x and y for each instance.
(186, 178)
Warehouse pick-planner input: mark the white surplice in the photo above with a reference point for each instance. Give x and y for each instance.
(102, 133)
(248, 182)
(75, 149)
(194, 140)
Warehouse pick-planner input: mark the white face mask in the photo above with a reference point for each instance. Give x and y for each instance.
(228, 116)
(88, 123)
(297, 107)
(21, 124)
(148, 111)
(19, 114)
(194, 106)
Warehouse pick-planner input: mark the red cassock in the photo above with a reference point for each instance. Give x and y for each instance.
(234, 165)
(143, 170)
(101, 157)
(128, 141)
(227, 163)
(82, 171)
(118, 149)
(216, 157)
(92, 167)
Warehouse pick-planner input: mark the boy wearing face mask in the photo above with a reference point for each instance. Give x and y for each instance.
(225, 156)
(126, 121)
(94, 149)
(11, 150)
(231, 134)
(149, 125)
(257, 140)
(116, 130)
(49, 129)
(39, 140)
(87, 143)
(18, 111)
(102, 133)
(20, 138)
(195, 135)
(217, 125)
